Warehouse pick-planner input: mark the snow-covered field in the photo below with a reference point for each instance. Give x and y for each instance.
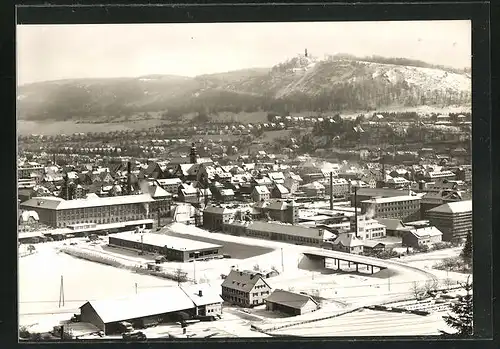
(40, 279)
(40, 273)
(370, 323)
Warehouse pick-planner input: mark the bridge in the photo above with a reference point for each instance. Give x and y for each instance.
(352, 259)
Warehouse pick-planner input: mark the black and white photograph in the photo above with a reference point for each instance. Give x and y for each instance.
(244, 180)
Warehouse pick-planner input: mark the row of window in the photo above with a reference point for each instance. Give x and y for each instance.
(256, 294)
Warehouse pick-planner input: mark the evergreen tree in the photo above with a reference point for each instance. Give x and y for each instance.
(461, 314)
(467, 251)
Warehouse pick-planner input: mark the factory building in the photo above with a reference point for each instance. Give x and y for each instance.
(173, 248)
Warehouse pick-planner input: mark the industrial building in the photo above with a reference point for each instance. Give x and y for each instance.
(405, 208)
(173, 248)
(363, 194)
(167, 305)
(290, 303)
(453, 219)
(293, 234)
(59, 213)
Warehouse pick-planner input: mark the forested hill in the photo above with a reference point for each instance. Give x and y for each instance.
(335, 84)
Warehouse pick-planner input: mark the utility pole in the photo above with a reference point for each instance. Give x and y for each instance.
(356, 211)
(142, 243)
(194, 271)
(136, 288)
(331, 190)
(282, 262)
(61, 293)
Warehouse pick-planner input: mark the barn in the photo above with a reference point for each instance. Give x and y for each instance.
(290, 303)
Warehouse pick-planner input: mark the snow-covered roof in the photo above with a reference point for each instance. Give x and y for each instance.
(348, 240)
(289, 299)
(392, 199)
(56, 203)
(426, 232)
(454, 207)
(169, 299)
(163, 240)
(209, 294)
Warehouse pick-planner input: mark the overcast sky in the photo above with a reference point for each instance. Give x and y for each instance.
(131, 50)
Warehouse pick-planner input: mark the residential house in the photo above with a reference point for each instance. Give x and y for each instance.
(421, 236)
(170, 184)
(280, 192)
(245, 289)
(260, 193)
(314, 189)
(214, 217)
(206, 298)
(348, 242)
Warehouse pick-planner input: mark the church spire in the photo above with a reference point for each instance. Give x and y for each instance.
(193, 156)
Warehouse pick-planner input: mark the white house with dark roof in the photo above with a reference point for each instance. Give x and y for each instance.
(246, 289)
(348, 242)
(421, 236)
(260, 193)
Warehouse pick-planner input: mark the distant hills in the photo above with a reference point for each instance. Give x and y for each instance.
(335, 84)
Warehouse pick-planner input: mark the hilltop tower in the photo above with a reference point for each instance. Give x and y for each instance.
(305, 53)
(193, 155)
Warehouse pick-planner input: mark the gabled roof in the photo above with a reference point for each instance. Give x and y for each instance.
(261, 189)
(425, 232)
(287, 229)
(348, 240)
(289, 299)
(242, 281)
(169, 299)
(391, 223)
(282, 189)
(158, 192)
(209, 295)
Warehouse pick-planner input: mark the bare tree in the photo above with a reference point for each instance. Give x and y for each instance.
(448, 283)
(256, 267)
(416, 289)
(180, 276)
(429, 286)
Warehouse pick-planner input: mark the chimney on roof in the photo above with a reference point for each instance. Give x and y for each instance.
(200, 293)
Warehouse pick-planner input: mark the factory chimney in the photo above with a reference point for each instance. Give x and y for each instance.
(356, 211)
(305, 53)
(129, 170)
(331, 190)
(54, 159)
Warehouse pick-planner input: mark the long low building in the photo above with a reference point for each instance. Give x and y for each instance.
(169, 304)
(173, 248)
(294, 234)
(59, 213)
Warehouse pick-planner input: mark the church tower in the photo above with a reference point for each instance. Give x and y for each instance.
(193, 156)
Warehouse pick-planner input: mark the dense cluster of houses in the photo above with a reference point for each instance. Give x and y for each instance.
(272, 193)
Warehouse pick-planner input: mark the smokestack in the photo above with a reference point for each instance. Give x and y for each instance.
(356, 211)
(129, 170)
(331, 190)
(54, 159)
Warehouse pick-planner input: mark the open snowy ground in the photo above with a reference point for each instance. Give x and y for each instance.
(39, 278)
(370, 323)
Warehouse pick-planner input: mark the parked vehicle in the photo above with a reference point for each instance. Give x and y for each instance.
(134, 336)
(125, 326)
